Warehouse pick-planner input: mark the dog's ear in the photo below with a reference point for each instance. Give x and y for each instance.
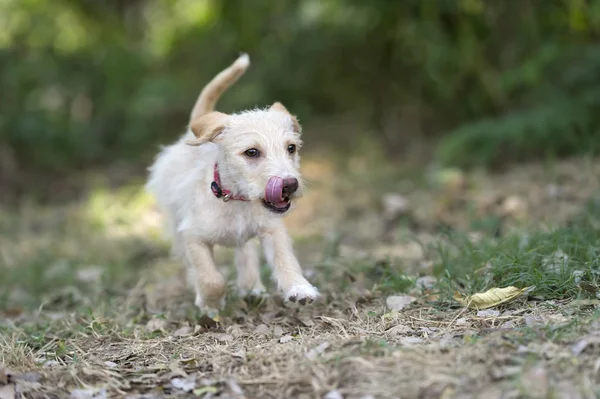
(207, 127)
(278, 107)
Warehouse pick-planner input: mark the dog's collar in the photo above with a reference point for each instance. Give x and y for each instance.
(220, 192)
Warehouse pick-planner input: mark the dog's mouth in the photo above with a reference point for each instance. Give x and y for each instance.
(278, 194)
(278, 207)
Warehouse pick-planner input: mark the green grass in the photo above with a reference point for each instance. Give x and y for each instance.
(561, 263)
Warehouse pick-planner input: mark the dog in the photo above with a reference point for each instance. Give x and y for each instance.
(227, 180)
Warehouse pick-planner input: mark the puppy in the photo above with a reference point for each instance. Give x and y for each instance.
(229, 179)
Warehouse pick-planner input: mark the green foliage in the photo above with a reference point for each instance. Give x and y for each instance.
(85, 83)
(557, 117)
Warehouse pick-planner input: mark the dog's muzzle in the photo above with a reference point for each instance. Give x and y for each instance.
(278, 193)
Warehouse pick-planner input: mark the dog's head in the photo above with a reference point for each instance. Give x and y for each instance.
(259, 156)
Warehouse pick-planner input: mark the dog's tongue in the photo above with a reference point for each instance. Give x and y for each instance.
(274, 191)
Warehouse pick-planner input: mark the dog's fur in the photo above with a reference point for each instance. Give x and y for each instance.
(181, 177)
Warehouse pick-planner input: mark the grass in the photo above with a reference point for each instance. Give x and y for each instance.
(89, 299)
(561, 263)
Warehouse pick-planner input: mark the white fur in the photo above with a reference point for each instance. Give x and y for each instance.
(180, 180)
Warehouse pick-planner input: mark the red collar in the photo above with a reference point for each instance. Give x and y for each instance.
(219, 192)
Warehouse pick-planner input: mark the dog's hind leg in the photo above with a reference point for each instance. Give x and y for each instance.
(208, 283)
(247, 262)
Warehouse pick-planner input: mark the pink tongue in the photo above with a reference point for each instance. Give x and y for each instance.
(274, 191)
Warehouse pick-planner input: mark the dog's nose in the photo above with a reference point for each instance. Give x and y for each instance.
(290, 185)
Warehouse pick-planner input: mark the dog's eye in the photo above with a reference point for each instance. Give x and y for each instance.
(292, 148)
(252, 153)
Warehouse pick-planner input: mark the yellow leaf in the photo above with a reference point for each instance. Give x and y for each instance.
(490, 298)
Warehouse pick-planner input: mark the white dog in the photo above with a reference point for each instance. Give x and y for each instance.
(229, 179)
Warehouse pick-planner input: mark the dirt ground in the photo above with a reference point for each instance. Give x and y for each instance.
(145, 339)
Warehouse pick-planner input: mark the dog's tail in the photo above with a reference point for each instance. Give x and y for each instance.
(216, 87)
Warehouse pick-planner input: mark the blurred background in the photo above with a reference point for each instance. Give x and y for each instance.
(89, 85)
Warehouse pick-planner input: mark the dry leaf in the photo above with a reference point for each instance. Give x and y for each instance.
(488, 313)
(92, 393)
(184, 384)
(285, 339)
(183, 331)
(316, 351)
(491, 297)
(7, 392)
(277, 331)
(333, 395)
(578, 347)
(398, 302)
(262, 329)
(426, 282)
(221, 337)
(156, 324)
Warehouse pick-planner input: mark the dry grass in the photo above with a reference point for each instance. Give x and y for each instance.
(93, 307)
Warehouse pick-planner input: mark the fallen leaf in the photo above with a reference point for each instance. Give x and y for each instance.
(277, 331)
(285, 339)
(221, 337)
(394, 205)
(51, 363)
(262, 329)
(7, 392)
(3, 376)
(400, 329)
(488, 313)
(508, 324)
(176, 370)
(578, 347)
(333, 395)
(426, 282)
(316, 351)
(13, 311)
(491, 297)
(398, 302)
(540, 320)
(185, 384)
(408, 341)
(240, 354)
(305, 321)
(183, 331)
(514, 206)
(92, 393)
(235, 387)
(156, 324)
(30, 376)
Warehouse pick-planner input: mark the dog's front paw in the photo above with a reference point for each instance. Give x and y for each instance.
(302, 293)
(209, 308)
